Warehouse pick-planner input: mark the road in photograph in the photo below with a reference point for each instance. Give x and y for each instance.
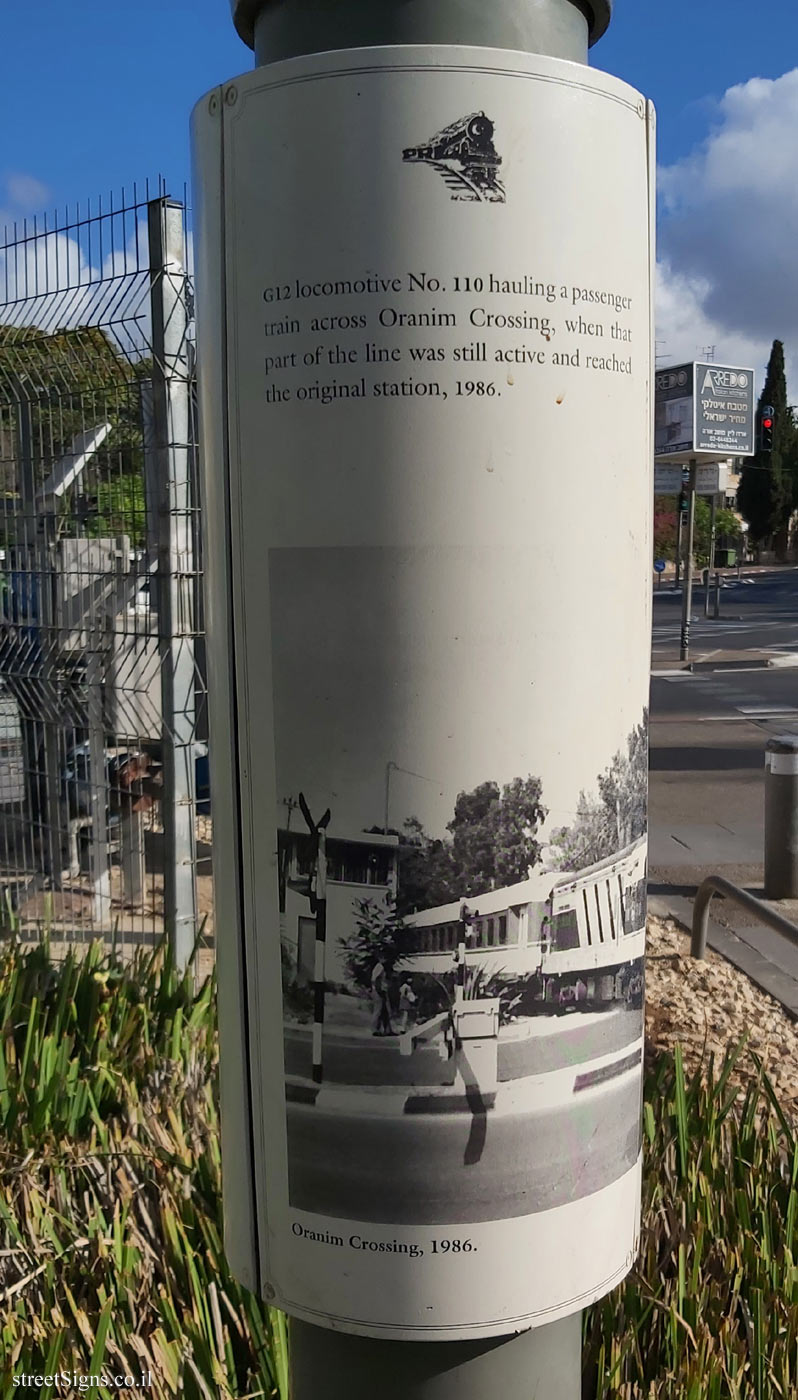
(555, 1042)
(461, 1168)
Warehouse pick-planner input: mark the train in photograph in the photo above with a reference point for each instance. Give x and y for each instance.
(572, 939)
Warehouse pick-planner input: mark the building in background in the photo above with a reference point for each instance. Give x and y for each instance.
(362, 866)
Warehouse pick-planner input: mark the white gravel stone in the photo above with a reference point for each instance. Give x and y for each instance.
(711, 1005)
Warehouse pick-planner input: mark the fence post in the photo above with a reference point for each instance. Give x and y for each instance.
(100, 867)
(170, 391)
(45, 585)
(24, 564)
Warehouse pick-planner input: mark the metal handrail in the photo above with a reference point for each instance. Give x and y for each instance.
(715, 884)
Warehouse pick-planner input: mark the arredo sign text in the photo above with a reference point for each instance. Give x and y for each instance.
(488, 328)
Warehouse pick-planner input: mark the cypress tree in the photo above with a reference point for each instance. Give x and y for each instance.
(765, 494)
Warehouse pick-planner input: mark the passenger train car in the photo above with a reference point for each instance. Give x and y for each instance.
(575, 938)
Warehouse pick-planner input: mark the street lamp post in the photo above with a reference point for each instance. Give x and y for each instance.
(687, 594)
(713, 513)
(400, 1321)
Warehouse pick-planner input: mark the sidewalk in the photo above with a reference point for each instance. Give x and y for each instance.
(720, 659)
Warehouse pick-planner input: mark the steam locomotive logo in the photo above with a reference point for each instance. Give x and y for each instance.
(465, 156)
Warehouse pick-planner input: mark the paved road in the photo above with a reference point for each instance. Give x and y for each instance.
(353, 1060)
(709, 729)
(708, 734)
(759, 613)
(457, 1169)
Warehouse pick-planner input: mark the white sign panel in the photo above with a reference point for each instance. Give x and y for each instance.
(703, 409)
(437, 304)
(724, 409)
(710, 479)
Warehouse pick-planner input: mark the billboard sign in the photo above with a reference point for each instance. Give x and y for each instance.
(673, 421)
(724, 410)
(702, 409)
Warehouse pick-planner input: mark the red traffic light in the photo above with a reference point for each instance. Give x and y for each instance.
(767, 422)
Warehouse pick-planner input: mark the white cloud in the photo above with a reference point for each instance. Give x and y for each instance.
(728, 231)
(53, 280)
(26, 193)
(686, 331)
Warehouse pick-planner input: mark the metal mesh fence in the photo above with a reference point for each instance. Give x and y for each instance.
(104, 798)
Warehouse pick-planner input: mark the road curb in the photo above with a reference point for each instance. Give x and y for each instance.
(784, 661)
(534, 1093)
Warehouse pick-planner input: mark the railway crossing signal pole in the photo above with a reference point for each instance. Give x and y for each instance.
(317, 894)
(462, 939)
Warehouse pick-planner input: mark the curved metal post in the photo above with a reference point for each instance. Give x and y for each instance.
(715, 884)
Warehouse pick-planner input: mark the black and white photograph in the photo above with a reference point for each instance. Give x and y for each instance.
(461, 910)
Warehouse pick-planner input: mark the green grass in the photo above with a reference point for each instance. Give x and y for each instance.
(110, 1184)
(710, 1312)
(110, 1207)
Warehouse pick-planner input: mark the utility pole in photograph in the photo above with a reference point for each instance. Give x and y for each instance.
(390, 768)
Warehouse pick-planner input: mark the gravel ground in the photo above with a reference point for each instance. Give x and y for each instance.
(709, 1005)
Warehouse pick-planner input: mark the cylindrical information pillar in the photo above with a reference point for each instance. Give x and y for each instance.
(781, 817)
(424, 330)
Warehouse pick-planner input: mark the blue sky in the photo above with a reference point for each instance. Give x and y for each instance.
(97, 95)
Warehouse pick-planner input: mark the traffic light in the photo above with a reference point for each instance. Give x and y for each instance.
(684, 502)
(766, 428)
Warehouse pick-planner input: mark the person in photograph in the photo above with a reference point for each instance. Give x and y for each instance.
(380, 1005)
(407, 1002)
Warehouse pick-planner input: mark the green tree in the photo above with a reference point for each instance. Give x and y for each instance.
(726, 525)
(71, 380)
(665, 527)
(615, 816)
(765, 496)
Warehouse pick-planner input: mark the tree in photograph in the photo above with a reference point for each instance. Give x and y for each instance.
(492, 842)
(616, 816)
(379, 936)
(766, 494)
(425, 872)
(494, 835)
